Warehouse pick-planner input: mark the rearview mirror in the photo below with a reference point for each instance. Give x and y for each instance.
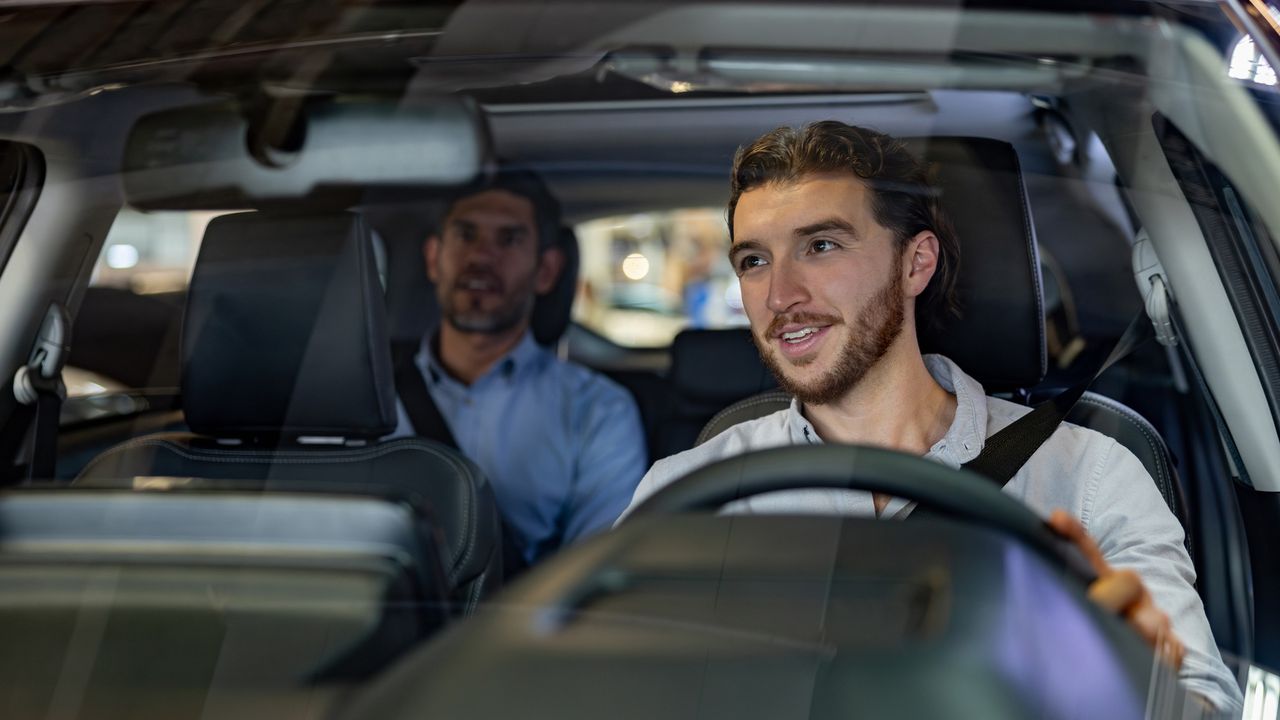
(212, 156)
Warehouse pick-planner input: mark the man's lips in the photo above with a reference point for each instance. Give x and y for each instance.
(796, 341)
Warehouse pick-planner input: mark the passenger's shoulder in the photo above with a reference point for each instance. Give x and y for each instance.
(584, 382)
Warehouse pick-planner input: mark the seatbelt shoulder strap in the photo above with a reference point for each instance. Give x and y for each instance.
(1009, 449)
(421, 408)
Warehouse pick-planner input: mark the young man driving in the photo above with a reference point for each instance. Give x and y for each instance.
(841, 250)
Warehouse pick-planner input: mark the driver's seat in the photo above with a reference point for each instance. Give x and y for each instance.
(980, 182)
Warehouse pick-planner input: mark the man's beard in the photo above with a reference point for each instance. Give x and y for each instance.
(870, 337)
(468, 317)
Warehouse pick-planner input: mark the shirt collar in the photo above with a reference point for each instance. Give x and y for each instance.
(525, 356)
(962, 441)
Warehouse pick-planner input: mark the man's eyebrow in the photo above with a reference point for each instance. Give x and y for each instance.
(826, 225)
(735, 248)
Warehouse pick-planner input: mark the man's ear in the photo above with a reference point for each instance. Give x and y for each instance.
(431, 252)
(921, 262)
(550, 263)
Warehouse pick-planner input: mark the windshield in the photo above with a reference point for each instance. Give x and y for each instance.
(240, 244)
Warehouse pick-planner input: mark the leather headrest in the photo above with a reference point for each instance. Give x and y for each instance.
(717, 367)
(999, 339)
(551, 312)
(285, 333)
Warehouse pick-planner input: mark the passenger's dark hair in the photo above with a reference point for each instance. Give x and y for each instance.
(526, 184)
(902, 197)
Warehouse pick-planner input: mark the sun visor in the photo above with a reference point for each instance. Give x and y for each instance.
(218, 156)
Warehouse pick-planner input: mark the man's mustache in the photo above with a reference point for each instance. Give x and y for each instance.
(802, 318)
(479, 274)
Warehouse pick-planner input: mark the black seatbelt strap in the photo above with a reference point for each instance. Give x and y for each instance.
(1008, 450)
(421, 408)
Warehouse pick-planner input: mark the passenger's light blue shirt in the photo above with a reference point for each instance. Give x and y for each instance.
(562, 445)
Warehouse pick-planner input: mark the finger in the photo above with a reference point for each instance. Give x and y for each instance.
(1171, 649)
(1063, 523)
(1118, 592)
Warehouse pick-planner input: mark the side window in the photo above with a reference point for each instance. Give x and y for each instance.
(21, 176)
(129, 325)
(645, 277)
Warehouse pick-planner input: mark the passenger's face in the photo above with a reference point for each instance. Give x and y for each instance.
(486, 263)
(822, 283)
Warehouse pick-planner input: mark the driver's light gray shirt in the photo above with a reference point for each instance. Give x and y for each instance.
(1084, 472)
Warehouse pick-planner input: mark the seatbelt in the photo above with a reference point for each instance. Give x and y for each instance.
(1008, 450)
(427, 422)
(421, 408)
(39, 384)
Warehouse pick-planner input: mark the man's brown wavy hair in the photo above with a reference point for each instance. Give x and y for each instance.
(903, 198)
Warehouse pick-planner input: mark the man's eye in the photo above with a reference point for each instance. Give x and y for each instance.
(749, 261)
(821, 246)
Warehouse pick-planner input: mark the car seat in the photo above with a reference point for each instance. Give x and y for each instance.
(287, 381)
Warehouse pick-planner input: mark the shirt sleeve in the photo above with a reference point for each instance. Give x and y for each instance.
(1135, 529)
(611, 459)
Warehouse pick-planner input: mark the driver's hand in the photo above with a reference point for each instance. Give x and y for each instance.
(1122, 592)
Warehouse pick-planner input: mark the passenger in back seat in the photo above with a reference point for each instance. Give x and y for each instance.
(562, 445)
(838, 240)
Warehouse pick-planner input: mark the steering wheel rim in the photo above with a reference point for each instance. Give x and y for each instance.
(957, 493)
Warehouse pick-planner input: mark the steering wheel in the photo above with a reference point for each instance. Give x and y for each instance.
(960, 494)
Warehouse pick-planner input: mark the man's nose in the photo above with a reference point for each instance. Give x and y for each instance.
(786, 287)
(483, 247)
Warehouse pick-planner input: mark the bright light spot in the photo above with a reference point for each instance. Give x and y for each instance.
(635, 266)
(680, 86)
(122, 256)
(1249, 64)
(1261, 695)
(733, 296)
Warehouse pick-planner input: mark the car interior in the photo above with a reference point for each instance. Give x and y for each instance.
(227, 532)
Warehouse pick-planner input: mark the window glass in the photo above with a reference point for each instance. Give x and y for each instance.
(645, 277)
(151, 252)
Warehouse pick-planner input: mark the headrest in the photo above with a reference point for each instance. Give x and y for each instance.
(551, 312)
(999, 339)
(285, 333)
(717, 367)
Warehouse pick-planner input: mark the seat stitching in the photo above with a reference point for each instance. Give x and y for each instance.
(767, 398)
(1138, 421)
(290, 457)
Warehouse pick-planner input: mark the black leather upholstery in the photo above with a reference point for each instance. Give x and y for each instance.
(980, 182)
(462, 502)
(281, 334)
(709, 370)
(1140, 437)
(765, 403)
(274, 295)
(551, 312)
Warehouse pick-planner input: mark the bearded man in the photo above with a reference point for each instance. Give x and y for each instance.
(842, 251)
(562, 446)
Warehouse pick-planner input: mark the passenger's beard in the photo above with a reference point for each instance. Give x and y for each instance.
(872, 334)
(515, 307)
